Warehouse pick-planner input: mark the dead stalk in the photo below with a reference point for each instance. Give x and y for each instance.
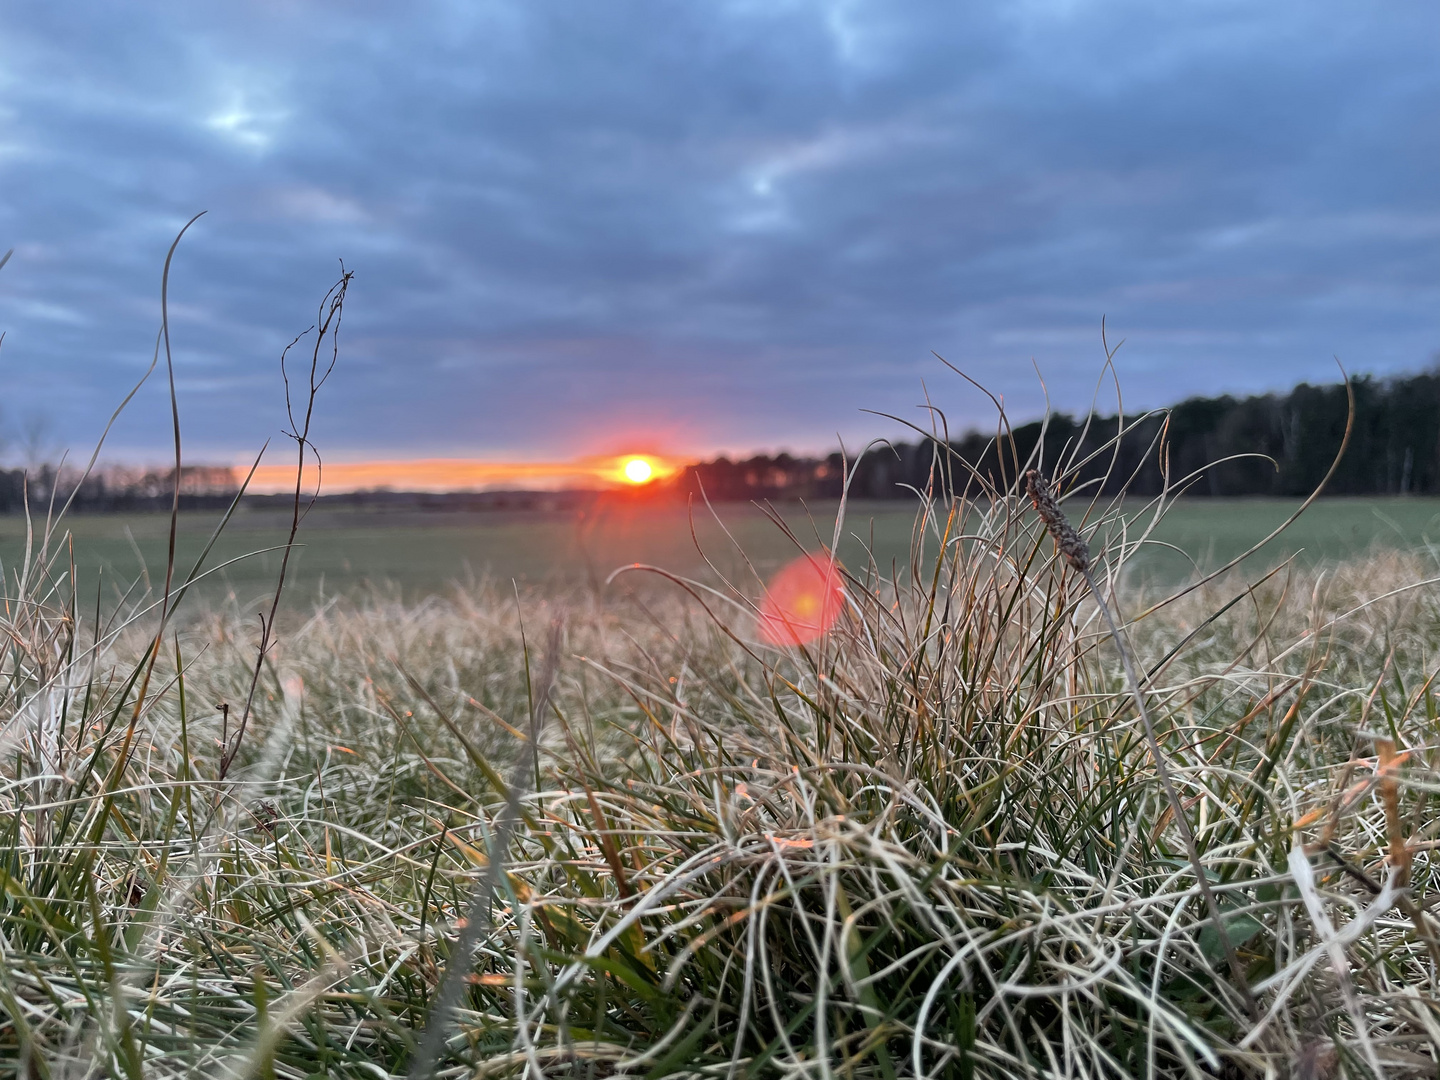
(327, 328)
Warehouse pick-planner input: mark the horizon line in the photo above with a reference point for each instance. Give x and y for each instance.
(461, 474)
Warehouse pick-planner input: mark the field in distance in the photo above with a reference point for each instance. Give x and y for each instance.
(423, 552)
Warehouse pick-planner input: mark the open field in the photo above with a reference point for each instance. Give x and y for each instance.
(936, 842)
(422, 553)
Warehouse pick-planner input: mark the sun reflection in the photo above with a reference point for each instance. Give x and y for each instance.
(802, 601)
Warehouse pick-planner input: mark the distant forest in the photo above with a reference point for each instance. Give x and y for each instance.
(115, 487)
(1394, 449)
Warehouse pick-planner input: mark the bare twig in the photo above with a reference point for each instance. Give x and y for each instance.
(327, 329)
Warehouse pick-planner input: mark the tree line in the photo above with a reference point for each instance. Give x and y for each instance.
(1267, 444)
(115, 487)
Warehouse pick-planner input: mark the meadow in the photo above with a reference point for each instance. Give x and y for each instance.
(414, 554)
(525, 823)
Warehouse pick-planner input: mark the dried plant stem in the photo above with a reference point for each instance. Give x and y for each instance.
(1077, 553)
(327, 327)
(1401, 856)
(1389, 765)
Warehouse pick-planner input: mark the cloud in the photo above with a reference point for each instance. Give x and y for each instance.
(718, 225)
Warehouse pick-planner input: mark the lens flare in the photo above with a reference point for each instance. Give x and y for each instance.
(638, 470)
(802, 601)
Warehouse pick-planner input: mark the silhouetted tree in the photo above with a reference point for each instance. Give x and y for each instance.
(1268, 444)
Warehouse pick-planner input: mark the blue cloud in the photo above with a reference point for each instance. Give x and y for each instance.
(729, 225)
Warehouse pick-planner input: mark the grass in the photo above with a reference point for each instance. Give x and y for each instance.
(933, 843)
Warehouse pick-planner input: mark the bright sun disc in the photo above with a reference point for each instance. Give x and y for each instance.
(638, 470)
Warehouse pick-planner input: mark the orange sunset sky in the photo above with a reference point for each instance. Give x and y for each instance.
(464, 474)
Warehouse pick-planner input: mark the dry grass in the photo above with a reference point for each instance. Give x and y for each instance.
(932, 844)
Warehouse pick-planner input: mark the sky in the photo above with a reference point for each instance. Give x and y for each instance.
(684, 227)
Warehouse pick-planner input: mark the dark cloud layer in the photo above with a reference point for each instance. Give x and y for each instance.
(704, 225)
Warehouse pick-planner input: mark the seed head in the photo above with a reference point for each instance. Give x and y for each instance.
(1071, 544)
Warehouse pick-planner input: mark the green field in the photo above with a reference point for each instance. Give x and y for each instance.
(422, 552)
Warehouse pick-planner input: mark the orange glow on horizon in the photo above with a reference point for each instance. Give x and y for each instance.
(466, 474)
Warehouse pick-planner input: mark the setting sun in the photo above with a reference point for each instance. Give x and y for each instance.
(638, 470)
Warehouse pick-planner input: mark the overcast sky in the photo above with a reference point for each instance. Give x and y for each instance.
(585, 227)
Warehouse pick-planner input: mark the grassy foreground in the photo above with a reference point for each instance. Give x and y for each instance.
(933, 843)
